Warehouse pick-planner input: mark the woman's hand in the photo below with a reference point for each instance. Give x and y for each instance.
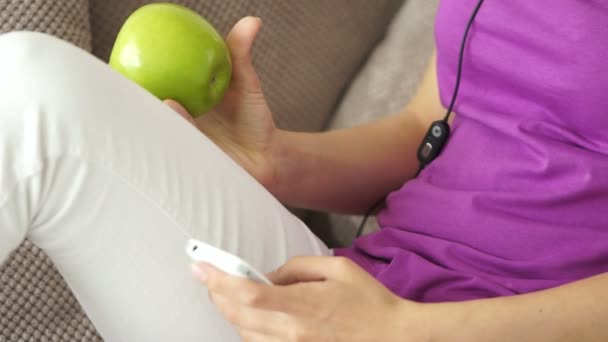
(314, 299)
(242, 124)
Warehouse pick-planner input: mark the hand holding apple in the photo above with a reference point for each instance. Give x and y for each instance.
(177, 56)
(174, 53)
(242, 123)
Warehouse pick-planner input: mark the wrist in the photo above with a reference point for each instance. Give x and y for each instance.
(454, 321)
(416, 322)
(279, 152)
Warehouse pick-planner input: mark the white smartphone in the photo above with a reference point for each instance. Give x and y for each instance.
(229, 263)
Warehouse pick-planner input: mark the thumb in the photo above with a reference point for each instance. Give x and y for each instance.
(240, 42)
(310, 269)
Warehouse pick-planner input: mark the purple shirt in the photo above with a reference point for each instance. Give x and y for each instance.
(518, 200)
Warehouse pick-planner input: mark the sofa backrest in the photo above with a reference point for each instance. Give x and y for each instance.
(66, 19)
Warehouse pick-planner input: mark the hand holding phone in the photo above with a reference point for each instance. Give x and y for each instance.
(229, 263)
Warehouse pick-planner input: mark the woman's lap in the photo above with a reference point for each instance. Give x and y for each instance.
(109, 182)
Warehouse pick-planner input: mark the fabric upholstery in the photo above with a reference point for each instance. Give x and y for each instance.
(67, 19)
(35, 302)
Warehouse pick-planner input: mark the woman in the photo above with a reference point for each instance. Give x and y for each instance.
(502, 238)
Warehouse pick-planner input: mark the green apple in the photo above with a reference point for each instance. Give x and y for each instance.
(174, 53)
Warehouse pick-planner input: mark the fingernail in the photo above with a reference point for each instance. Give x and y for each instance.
(198, 272)
(260, 19)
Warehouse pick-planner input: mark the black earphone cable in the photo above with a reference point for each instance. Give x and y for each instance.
(460, 61)
(377, 204)
(369, 212)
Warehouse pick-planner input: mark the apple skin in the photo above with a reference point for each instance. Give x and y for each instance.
(174, 53)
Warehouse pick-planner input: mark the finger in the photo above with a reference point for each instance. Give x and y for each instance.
(177, 107)
(247, 292)
(246, 318)
(239, 289)
(311, 269)
(240, 42)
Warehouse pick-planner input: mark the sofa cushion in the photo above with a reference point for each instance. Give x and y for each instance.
(306, 54)
(66, 19)
(383, 86)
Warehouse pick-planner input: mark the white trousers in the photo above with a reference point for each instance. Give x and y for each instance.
(109, 182)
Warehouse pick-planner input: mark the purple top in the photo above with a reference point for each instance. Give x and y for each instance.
(518, 200)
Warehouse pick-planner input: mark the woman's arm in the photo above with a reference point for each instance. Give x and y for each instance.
(348, 170)
(344, 303)
(344, 170)
(573, 312)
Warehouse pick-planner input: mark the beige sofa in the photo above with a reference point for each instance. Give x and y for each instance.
(323, 65)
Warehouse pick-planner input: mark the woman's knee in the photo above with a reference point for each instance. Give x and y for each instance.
(36, 66)
(52, 96)
(23, 52)
(52, 81)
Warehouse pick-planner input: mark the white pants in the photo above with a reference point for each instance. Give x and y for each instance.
(106, 179)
